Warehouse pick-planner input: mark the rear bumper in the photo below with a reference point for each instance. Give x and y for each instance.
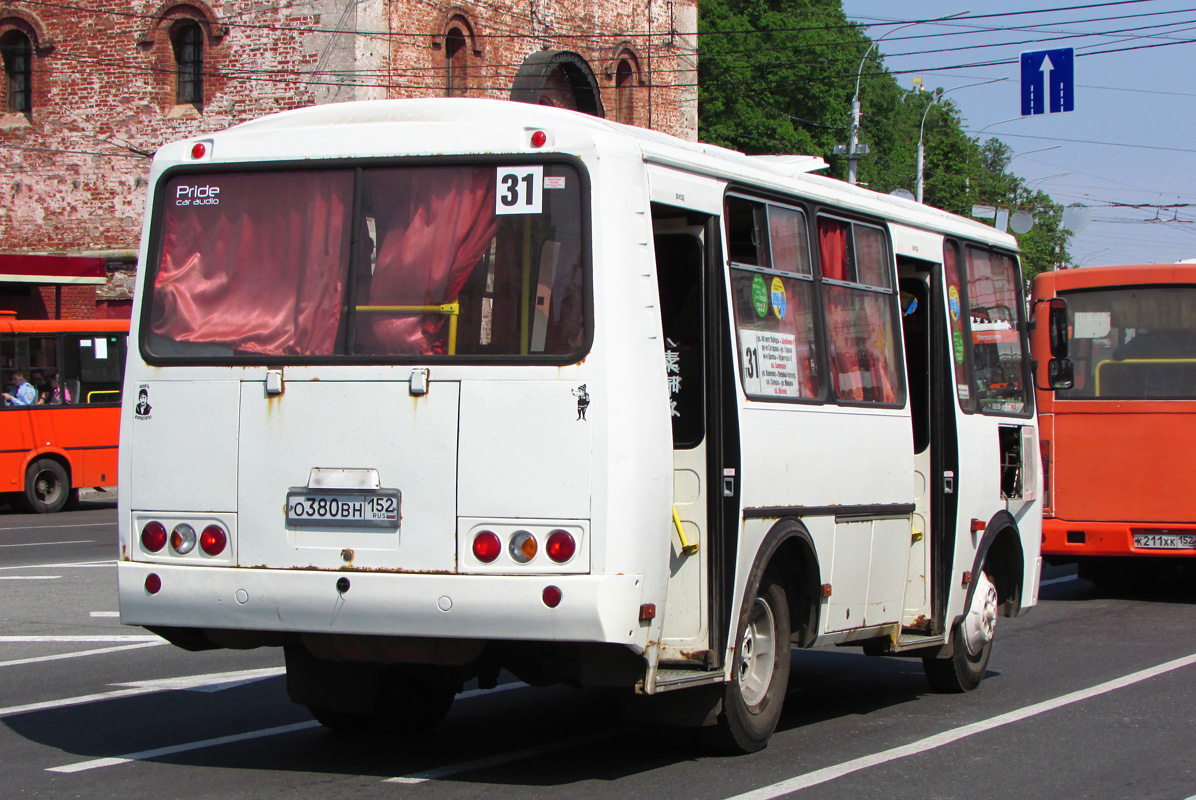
(1107, 538)
(593, 608)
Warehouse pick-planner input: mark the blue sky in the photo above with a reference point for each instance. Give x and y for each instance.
(1130, 140)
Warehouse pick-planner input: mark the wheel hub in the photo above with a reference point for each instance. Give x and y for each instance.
(757, 653)
(980, 623)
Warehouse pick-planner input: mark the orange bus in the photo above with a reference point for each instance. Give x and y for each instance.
(60, 420)
(1118, 447)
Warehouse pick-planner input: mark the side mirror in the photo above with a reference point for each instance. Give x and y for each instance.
(1060, 371)
(1057, 323)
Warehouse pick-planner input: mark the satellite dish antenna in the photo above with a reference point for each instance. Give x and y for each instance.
(1021, 221)
(1076, 217)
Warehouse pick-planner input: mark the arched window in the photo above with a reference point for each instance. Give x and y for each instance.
(187, 38)
(624, 92)
(456, 53)
(18, 71)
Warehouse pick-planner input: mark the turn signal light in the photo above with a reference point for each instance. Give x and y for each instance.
(523, 547)
(182, 539)
(561, 546)
(486, 546)
(153, 536)
(213, 540)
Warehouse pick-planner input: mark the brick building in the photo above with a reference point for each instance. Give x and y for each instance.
(92, 88)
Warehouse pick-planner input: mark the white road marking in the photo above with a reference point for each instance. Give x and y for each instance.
(205, 683)
(505, 758)
(106, 614)
(47, 544)
(240, 737)
(82, 766)
(67, 565)
(50, 527)
(194, 682)
(827, 774)
(80, 654)
(1064, 579)
(29, 577)
(124, 638)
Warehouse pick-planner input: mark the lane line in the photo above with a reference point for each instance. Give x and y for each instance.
(96, 763)
(505, 758)
(1064, 579)
(124, 638)
(29, 577)
(106, 614)
(191, 682)
(80, 654)
(67, 565)
(52, 527)
(47, 544)
(827, 774)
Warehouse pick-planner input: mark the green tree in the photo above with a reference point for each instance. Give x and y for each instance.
(778, 76)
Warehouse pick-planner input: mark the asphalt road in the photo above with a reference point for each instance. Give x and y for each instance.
(1091, 695)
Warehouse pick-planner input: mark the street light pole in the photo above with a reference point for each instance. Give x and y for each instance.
(853, 139)
(938, 93)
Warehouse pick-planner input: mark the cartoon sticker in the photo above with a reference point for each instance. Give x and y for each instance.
(953, 303)
(779, 302)
(759, 296)
(583, 401)
(143, 408)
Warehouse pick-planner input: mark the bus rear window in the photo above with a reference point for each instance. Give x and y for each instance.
(1133, 343)
(439, 261)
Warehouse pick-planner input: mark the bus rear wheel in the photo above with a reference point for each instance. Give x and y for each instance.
(754, 696)
(971, 644)
(47, 487)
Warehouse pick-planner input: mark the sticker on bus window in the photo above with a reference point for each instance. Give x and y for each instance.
(953, 303)
(769, 363)
(780, 303)
(554, 182)
(760, 296)
(957, 341)
(519, 190)
(1092, 325)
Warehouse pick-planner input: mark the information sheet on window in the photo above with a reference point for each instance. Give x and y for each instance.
(769, 363)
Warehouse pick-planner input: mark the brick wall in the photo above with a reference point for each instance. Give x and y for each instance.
(72, 175)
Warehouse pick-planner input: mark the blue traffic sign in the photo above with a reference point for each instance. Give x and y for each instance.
(1048, 82)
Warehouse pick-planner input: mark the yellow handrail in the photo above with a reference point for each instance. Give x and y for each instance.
(1138, 361)
(102, 391)
(686, 547)
(451, 310)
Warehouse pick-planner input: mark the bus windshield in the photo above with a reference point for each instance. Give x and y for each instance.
(1133, 343)
(378, 264)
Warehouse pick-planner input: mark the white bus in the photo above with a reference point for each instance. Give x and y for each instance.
(423, 390)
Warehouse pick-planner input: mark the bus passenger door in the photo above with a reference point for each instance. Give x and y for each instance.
(926, 327)
(679, 267)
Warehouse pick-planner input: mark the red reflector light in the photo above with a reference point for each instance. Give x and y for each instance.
(486, 546)
(212, 540)
(153, 536)
(561, 546)
(198, 150)
(552, 596)
(539, 138)
(153, 584)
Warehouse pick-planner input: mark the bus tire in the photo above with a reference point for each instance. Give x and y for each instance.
(47, 487)
(753, 698)
(971, 644)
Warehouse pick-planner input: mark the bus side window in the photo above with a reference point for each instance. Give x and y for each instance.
(93, 367)
(679, 280)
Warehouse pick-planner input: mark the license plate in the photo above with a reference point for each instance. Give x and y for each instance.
(377, 509)
(1165, 541)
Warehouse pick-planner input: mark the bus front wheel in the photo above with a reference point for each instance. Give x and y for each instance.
(47, 487)
(753, 697)
(971, 644)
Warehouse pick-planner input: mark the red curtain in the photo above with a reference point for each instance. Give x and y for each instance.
(434, 225)
(259, 265)
(832, 244)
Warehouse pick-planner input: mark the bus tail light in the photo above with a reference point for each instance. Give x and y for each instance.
(213, 540)
(153, 584)
(153, 536)
(551, 596)
(561, 546)
(182, 539)
(486, 546)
